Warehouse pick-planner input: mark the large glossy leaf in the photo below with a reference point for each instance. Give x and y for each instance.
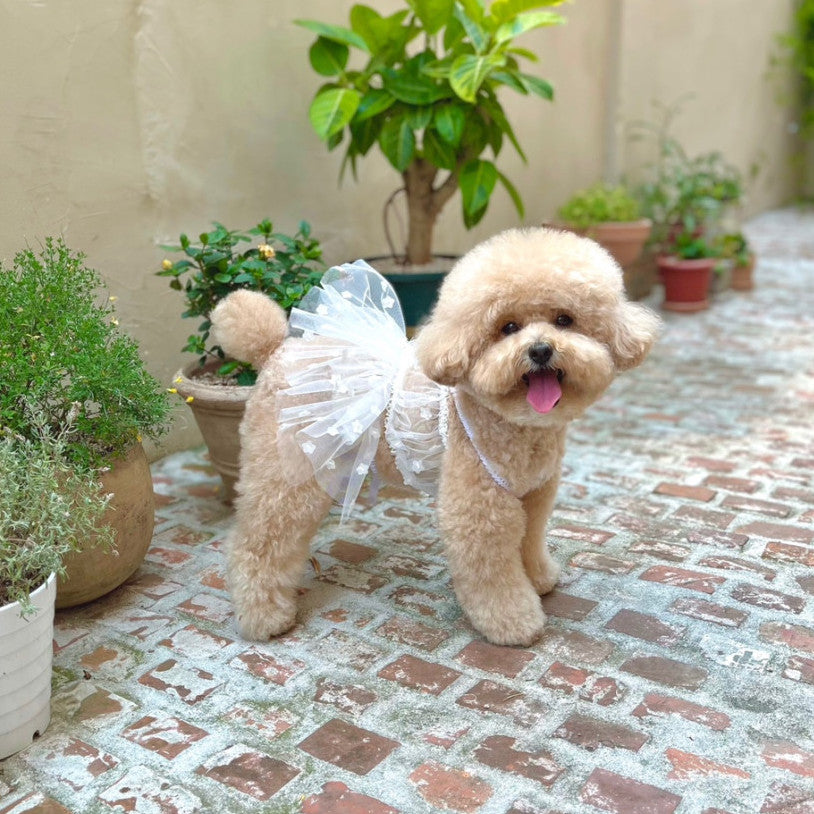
(449, 122)
(334, 32)
(438, 152)
(471, 25)
(504, 10)
(527, 22)
(434, 14)
(397, 142)
(537, 85)
(332, 109)
(477, 180)
(509, 78)
(513, 194)
(419, 117)
(328, 57)
(377, 31)
(414, 88)
(469, 71)
(495, 111)
(375, 101)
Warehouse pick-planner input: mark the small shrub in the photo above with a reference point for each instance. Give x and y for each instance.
(283, 267)
(601, 203)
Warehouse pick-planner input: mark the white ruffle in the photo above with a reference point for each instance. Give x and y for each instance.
(352, 362)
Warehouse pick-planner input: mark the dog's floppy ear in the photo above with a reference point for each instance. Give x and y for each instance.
(637, 328)
(442, 352)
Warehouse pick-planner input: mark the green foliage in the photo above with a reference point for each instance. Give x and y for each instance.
(692, 246)
(798, 50)
(48, 508)
(281, 266)
(601, 203)
(63, 356)
(685, 194)
(428, 89)
(734, 246)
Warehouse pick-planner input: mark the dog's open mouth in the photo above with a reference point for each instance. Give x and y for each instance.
(544, 390)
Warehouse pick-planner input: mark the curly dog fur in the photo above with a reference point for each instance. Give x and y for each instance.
(523, 302)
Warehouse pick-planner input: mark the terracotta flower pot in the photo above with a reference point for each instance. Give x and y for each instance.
(25, 669)
(218, 411)
(623, 239)
(94, 572)
(686, 282)
(743, 276)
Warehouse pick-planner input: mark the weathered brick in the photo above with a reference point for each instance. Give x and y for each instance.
(806, 583)
(166, 736)
(601, 690)
(353, 578)
(446, 788)
(765, 598)
(424, 602)
(663, 551)
(712, 464)
(349, 747)
(799, 668)
(710, 612)
(489, 696)
(591, 733)
(581, 534)
(665, 671)
(682, 578)
(350, 552)
(499, 752)
(687, 766)
(795, 636)
(659, 705)
(779, 531)
(718, 538)
(750, 504)
(267, 667)
(418, 674)
(248, 771)
(35, 803)
(508, 661)
(732, 484)
(685, 492)
(571, 645)
(622, 795)
(336, 796)
(602, 562)
(738, 564)
(788, 756)
(787, 799)
(789, 493)
(788, 552)
(566, 606)
(406, 631)
(351, 698)
(646, 627)
(708, 517)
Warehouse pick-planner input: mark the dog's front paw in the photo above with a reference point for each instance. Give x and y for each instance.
(521, 626)
(544, 576)
(262, 624)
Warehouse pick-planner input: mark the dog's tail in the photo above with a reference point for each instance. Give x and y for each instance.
(249, 326)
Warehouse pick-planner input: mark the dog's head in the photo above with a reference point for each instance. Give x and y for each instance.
(535, 325)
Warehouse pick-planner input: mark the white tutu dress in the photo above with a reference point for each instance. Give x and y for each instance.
(352, 367)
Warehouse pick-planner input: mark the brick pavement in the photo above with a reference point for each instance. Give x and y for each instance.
(676, 674)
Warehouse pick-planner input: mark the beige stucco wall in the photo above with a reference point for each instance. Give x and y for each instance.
(123, 123)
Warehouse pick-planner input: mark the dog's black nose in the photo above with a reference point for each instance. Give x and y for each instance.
(541, 353)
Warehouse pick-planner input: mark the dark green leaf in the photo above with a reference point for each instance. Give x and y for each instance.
(477, 180)
(538, 86)
(510, 79)
(433, 14)
(334, 32)
(438, 152)
(419, 117)
(397, 142)
(412, 88)
(513, 194)
(449, 122)
(375, 101)
(328, 57)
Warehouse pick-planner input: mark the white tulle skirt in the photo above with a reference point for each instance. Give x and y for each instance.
(351, 376)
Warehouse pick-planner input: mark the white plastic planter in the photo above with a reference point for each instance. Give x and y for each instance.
(25, 669)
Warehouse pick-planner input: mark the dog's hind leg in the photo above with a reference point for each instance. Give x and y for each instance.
(267, 552)
(541, 568)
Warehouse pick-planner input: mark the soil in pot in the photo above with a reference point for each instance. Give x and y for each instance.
(93, 572)
(218, 408)
(686, 282)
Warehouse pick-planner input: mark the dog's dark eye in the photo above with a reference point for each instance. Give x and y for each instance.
(563, 321)
(510, 328)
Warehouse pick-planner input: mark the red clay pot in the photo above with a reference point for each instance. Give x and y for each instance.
(742, 279)
(686, 282)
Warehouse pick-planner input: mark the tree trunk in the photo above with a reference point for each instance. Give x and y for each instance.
(424, 202)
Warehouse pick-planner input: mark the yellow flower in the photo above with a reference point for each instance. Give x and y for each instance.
(113, 298)
(171, 390)
(190, 399)
(114, 321)
(178, 380)
(166, 265)
(266, 251)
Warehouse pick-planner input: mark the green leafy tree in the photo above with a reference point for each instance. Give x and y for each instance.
(427, 96)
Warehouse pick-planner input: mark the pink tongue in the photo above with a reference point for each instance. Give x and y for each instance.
(544, 391)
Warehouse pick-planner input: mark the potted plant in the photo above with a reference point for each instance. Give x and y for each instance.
(611, 215)
(49, 509)
(216, 388)
(64, 358)
(427, 96)
(685, 267)
(736, 250)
